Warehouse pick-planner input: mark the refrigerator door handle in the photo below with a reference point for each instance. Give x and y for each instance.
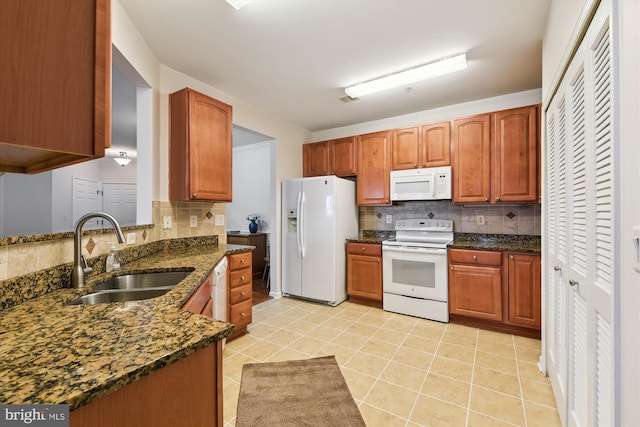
(298, 226)
(301, 224)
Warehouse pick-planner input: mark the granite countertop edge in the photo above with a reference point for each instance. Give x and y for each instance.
(495, 242)
(75, 354)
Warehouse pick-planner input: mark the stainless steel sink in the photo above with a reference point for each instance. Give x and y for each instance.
(119, 296)
(143, 280)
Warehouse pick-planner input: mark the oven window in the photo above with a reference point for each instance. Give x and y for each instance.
(414, 273)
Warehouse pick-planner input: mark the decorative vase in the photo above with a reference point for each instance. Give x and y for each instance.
(253, 227)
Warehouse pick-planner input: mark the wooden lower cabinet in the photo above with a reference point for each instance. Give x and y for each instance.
(524, 290)
(364, 273)
(495, 290)
(239, 292)
(201, 302)
(185, 393)
(259, 240)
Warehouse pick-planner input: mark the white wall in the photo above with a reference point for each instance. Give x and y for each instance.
(251, 187)
(27, 204)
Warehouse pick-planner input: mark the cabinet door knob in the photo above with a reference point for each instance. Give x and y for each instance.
(451, 267)
(194, 195)
(573, 282)
(475, 257)
(556, 268)
(497, 199)
(415, 165)
(510, 256)
(242, 314)
(424, 165)
(486, 199)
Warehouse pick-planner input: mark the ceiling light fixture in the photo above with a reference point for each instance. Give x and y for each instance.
(123, 160)
(407, 77)
(237, 4)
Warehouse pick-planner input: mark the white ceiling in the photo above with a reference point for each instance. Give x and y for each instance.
(293, 58)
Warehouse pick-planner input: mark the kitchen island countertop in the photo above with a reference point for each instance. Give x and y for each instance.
(51, 353)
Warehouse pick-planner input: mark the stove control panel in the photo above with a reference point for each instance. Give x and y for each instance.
(424, 225)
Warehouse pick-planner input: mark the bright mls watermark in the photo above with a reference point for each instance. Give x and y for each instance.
(34, 415)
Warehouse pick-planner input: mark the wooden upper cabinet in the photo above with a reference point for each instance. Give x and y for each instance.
(421, 146)
(515, 159)
(55, 81)
(335, 157)
(200, 150)
(343, 156)
(374, 167)
(315, 159)
(495, 157)
(435, 144)
(472, 159)
(405, 148)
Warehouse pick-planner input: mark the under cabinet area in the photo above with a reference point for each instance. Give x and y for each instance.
(496, 290)
(200, 147)
(201, 302)
(55, 81)
(240, 292)
(364, 273)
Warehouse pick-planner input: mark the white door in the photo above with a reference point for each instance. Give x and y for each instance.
(291, 253)
(87, 197)
(119, 200)
(580, 328)
(318, 235)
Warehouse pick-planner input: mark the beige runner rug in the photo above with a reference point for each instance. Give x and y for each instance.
(309, 392)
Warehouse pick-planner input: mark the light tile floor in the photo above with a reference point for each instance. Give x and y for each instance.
(401, 370)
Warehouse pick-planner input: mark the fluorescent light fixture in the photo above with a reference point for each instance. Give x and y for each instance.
(123, 160)
(238, 3)
(407, 77)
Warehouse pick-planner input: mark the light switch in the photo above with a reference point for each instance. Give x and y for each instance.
(131, 238)
(389, 219)
(219, 220)
(193, 221)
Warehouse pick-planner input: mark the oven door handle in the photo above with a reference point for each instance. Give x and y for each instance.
(414, 250)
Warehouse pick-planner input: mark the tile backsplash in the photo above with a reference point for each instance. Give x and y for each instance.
(23, 258)
(509, 219)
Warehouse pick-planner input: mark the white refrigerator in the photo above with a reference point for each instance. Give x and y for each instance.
(318, 215)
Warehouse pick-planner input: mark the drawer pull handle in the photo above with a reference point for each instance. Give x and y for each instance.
(475, 257)
(241, 277)
(242, 261)
(364, 249)
(242, 293)
(573, 282)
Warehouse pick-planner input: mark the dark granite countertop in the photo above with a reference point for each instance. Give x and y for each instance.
(497, 242)
(57, 354)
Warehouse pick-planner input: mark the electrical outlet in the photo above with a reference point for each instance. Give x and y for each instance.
(193, 221)
(166, 222)
(219, 220)
(480, 219)
(389, 219)
(131, 238)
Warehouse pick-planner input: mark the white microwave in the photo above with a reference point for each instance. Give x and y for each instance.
(421, 184)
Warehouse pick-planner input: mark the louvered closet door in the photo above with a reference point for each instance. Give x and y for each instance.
(580, 203)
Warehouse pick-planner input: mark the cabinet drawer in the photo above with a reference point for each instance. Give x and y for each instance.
(466, 256)
(240, 277)
(240, 314)
(241, 260)
(239, 294)
(372, 249)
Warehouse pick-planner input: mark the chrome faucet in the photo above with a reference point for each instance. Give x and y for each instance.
(79, 264)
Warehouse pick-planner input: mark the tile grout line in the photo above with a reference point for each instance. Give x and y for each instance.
(524, 410)
(473, 371)
(415, 402)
